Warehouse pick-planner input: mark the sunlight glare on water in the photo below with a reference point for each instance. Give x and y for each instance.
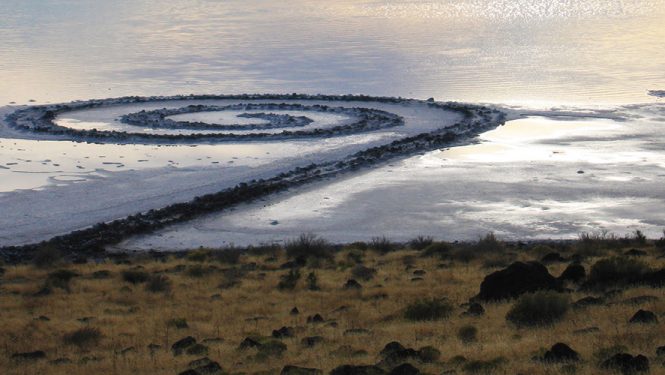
(592, 51)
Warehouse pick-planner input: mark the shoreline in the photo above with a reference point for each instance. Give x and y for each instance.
(94, 239)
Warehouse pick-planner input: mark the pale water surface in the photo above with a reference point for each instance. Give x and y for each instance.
(552, 51)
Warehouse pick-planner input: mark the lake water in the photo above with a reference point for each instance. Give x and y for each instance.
(540, 51)
(527, 54)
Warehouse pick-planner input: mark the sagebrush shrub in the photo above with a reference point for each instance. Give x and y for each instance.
(428, 309)
(135, 276)
(83, 337)
(538, 309)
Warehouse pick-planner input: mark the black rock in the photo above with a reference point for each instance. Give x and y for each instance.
(574, 272)
(352, 284)
(283, 332)
(391, 347)
(212, 368)
(561, 353)
(357, 370)
(199, 362)
(405, 369)
(179, 346)
(249, 342)
(295, 370)
(644, 316)
(655, 279)
(29, 356)
(316, 318)
(474, 309)
(294, 311)
(197, 349)
(517, 279)
(588, 301)
(311, 341)
(626, 363)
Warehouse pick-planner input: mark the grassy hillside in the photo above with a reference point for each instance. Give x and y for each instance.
(123, 314)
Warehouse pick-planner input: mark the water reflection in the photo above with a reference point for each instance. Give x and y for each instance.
(475, 50)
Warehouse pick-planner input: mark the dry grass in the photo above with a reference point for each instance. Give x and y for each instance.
(128, 315)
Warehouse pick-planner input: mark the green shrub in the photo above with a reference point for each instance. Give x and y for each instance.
(289, 280)
(228, 256)
(312, 282)
(538, 309)
(200, 255)
(660, 243)
(47, 256)
(382, 245)
(488, 244)
(179, 323)
(616, 271)
(361, 272)
(158, 284)
(60, 279)
(308, 245)
(428, 309)
(437, 249)
(420, 242)
(484, 367)
(83, 338)
(467, 334)
(639, 237)
(196, 271)
(135, 276)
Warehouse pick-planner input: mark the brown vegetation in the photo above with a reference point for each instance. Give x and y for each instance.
(379, 304)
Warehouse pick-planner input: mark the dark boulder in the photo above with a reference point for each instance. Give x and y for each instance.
(574, 272)
(352, 284)
(212, 368)
(294, 311)
(405, 369)
(357, 370)
(474, 309)
(660, 351)
(199, 362)
(295, 370)
(588, 301)
(283, 332)
(181, 345)
(311, 341)
(197, 349)
(655, 279)
(561, 353)
(316, 318)
(519, 278)
(626, 363)
(644, 316)
(249, 342)
(391, 347)
(400, 356)
(29, 356)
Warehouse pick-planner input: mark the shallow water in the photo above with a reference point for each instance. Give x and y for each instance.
(591, 51)
(535, 177)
